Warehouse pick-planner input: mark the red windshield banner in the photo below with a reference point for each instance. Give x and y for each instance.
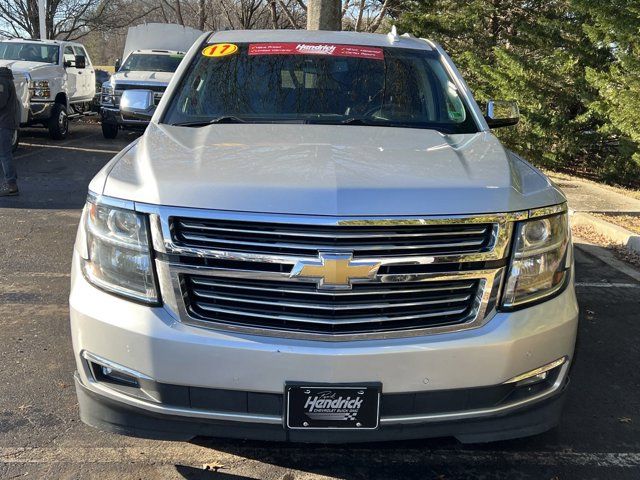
(326, 49)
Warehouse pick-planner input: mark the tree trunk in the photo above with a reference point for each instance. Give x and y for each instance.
(324, 15)
(202, 14)
(274, 14)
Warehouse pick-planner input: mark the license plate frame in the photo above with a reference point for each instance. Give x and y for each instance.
(343, 412)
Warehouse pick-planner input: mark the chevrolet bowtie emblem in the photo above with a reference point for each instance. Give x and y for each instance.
(335, 270)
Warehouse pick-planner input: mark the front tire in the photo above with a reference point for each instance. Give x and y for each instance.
(15, 140)
(59, 122)
(110, 130)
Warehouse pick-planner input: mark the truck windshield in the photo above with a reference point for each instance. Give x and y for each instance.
(148, 62)
(319, 83)
(29, 52)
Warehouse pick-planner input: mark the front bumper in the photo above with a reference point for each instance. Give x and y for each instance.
(113, 416)
(40, 111)
(112, 115)
(151, 342)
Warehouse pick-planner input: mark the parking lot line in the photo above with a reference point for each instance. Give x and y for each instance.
(65, 147)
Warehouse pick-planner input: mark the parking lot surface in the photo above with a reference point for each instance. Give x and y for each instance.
(41, 436)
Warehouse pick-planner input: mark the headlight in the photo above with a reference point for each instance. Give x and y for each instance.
(119, 257)
(107, 94)
(40, 88)
(540, 262)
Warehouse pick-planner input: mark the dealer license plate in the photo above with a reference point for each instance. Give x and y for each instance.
(333, 407)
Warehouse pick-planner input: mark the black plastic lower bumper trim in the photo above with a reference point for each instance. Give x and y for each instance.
(108, 415)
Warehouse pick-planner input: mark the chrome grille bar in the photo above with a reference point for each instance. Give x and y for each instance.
(317, 247)
(200, 281)
(336, 234)
(325, 321)
(334, 308)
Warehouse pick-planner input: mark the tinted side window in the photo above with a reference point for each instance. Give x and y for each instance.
(69, 55)
(81, 51)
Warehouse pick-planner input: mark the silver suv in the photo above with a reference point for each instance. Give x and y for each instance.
(318, 239)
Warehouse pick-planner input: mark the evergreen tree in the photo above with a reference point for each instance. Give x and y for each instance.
(532, 52)
(614, 28)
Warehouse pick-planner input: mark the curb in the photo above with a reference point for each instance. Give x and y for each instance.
(614, 233)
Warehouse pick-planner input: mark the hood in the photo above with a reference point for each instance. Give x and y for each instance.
(20, 66)
(152, 78)
(325, 170)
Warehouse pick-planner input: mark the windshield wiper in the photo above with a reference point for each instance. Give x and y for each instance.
(359, 121)
(203, 123)
(380, 122)
(346, 121)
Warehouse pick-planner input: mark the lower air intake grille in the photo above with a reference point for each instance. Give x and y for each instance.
(294, 306)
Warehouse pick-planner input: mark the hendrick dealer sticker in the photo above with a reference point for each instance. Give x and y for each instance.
(333, 407)
(323, 49)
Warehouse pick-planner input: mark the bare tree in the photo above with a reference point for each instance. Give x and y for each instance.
(67, 19)
(74, 19)
(366, 15)
(358, 15)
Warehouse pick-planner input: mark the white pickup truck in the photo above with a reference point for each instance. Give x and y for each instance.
(54, 80)
(152, 54)
(142, 69)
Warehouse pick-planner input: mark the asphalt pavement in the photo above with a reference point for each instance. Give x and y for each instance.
(41, 436)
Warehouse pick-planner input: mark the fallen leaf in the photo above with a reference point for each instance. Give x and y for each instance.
(215, 466)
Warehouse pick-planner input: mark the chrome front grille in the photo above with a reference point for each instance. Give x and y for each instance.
(374, 307)
(241, 272)
(308, 240)
(158, 91)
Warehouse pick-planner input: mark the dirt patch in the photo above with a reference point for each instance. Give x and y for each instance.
(621, 252)
(558, 177)
(630, 222)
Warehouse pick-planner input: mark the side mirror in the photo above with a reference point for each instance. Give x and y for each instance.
(502, 113)
(117, 65)
(137, 105)
(81, 61)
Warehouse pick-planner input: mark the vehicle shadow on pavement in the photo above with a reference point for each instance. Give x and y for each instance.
(56, 174)
(432, 458)
(193, 473)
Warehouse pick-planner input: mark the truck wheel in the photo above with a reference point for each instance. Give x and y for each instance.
(59, 122)
(110, 130)
(15, 140)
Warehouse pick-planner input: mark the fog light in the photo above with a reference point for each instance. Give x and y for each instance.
(111, 374)
(540, 374)
(540, 377)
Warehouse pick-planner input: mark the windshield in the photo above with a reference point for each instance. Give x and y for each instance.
(149, 62)
(29, 52)
(313, 83)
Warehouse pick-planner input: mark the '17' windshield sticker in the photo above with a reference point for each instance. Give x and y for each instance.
(326, 49)
(220, 50)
